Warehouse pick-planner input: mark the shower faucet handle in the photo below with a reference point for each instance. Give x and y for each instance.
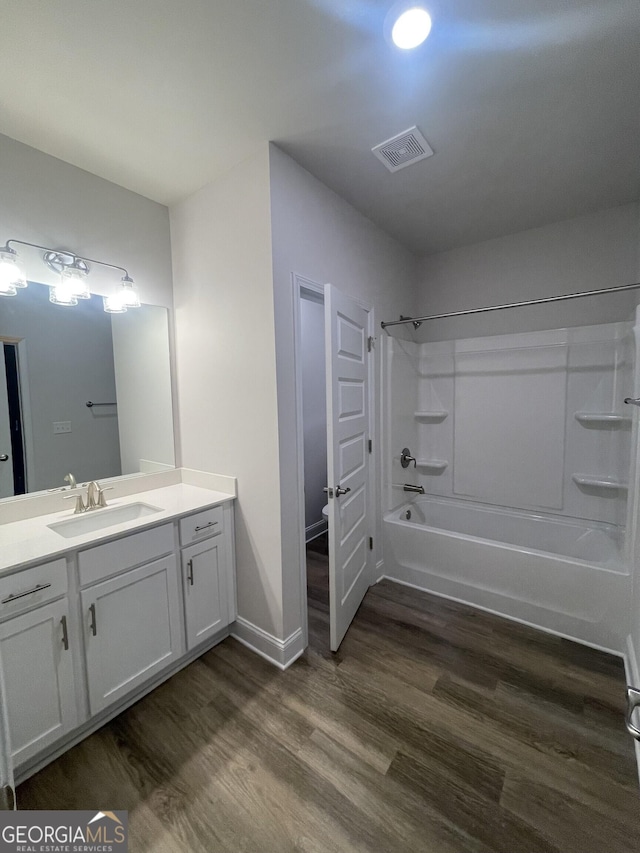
(406, 458)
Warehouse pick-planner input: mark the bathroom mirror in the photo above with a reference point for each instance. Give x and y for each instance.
(81, 391)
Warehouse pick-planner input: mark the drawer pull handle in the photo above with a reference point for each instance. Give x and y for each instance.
(204, 526)
(65, 634)
(190, 572)
(92, 623)
(14, 597)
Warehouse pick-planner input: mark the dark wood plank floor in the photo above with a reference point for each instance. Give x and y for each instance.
(435, 728)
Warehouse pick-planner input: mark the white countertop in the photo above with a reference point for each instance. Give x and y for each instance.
(31, 541)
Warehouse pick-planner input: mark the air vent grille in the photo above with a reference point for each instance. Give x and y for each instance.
(402, 150)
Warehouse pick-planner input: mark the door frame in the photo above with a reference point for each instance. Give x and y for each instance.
(300, 285)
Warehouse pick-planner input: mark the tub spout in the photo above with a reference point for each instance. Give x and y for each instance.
(419, 490)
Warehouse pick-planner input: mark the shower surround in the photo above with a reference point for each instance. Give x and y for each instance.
(523, 447)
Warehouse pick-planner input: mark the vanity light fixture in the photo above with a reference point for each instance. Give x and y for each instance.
(73, 284)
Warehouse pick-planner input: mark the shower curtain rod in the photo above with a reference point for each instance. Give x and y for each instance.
(418, 320)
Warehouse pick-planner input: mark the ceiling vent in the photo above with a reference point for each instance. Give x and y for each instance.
(402, 150)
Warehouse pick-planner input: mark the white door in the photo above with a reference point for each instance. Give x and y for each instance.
(6, 459)
(38, 677)
(205, 595)
(132, 629)
(348, 432)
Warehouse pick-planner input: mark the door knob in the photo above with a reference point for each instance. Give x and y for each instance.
(328, 491)
(633, 702)
(341, 491)
(3, 457)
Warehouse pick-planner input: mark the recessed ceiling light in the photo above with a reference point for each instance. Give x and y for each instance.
(411, 28)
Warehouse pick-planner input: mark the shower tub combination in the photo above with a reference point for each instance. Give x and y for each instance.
(564, 576)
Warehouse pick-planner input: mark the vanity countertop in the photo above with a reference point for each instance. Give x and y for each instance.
(31, 541)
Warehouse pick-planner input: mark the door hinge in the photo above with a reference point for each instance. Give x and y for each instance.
(371, 543)
(370, 446)
(371, 342)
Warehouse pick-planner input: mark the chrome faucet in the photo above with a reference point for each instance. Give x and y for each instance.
(419, 490)
(95, 495)
(71, 480)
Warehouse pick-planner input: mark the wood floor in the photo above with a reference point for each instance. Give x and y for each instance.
(435, 728)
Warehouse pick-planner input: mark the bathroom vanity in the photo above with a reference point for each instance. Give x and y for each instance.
(97, 609)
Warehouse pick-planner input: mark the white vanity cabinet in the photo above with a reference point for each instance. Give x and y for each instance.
(37, 659)
(205, 592)
(132, 630)
(84, 636)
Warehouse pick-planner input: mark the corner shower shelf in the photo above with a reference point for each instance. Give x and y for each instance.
(430, 416)
(599, 482)
(433, 464)
(602, 419)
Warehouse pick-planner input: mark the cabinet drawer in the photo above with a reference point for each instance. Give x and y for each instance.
(206, 523)
(34, 586)
(109, 559)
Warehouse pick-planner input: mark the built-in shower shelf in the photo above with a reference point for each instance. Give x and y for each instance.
(432, 464)
(430, 416)
(602, 419)
(600, 482)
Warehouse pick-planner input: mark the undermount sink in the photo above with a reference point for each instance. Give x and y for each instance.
(99, 519)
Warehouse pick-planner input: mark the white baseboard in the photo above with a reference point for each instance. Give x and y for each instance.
(633, 680)
(379, 571)
(281, 653)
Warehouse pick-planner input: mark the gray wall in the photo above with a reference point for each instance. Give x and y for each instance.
(590, 252)
(47, 201)
(68, 356)
(320, 236)
(314, 408)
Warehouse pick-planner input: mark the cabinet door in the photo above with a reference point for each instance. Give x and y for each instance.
(38, 675)
(205, 592)
(132, 630)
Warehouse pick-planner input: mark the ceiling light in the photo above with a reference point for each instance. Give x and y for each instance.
(411, 28)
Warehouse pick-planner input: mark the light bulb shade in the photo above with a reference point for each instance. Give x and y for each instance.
(61, 295)
(128, 293)
(11, 276)
(114, 305)
(74, 280)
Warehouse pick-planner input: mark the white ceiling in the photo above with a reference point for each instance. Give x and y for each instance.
(533, 108)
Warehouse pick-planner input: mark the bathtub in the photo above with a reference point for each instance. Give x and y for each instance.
(560, 575)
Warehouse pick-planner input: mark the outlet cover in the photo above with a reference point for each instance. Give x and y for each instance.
(61, 426)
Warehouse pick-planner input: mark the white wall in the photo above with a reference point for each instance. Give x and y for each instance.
(225, 352)
(319, 236)
(314, 413)
(47, 201)
(590, 252)
(143, 389)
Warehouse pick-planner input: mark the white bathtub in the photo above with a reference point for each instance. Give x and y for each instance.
(560, 575)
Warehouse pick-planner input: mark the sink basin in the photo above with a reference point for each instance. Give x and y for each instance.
(99, 519)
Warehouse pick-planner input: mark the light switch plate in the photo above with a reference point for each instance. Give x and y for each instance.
(61, 426)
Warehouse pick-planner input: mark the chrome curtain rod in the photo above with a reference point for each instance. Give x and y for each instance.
(418, 320)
